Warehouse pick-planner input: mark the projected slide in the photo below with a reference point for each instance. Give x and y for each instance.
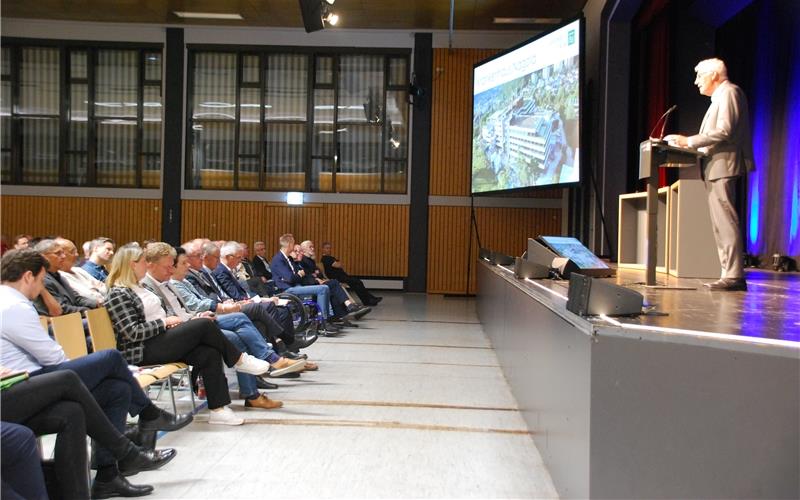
(526, 123)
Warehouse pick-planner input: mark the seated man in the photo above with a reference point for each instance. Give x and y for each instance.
(101, 252)
(260, 262)
(21, 472)
(288, 280)
(277, 321)
(81, 282)
(22, 241)
(236, 327)
(334, 269)
(58, 403)
(69, 301)
(304, 256)
(25, 346)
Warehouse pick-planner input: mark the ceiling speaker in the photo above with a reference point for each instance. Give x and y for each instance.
(311, 10)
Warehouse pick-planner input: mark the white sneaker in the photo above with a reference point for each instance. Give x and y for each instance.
(252, 365)
(224, 416)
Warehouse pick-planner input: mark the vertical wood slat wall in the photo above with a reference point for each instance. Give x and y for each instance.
(451, 124)
(371, 240)
(501, 229)
(81, 219)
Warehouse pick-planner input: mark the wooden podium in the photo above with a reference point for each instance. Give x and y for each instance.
(652, 154)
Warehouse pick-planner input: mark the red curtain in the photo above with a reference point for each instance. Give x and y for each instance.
(653, 22)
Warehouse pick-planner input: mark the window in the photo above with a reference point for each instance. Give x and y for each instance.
(81, 115)
(298, 121)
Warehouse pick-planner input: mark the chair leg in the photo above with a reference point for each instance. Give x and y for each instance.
(172, 395)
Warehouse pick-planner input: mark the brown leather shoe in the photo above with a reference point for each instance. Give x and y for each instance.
(262, 402)
(311, 366)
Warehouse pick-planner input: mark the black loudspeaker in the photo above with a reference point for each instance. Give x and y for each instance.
(590, 296)
(524, 269)
(311, 10)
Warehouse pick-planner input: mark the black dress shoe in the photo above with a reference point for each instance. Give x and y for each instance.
(263, 384)
(166, 421)
(294, 356)
(361, 312)
(119, 487)
(303, 342)
(142, 439)
(288, 375)
(146, 460)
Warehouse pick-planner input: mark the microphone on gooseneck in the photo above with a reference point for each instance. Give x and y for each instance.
(663, 122)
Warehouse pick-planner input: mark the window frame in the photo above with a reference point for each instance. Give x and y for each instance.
(65, 47)
(312, 54)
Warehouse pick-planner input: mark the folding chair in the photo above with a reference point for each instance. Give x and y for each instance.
(101, 330)
(68, 332)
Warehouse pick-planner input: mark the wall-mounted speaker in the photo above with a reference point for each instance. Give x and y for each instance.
(589, 296)
(311, 10)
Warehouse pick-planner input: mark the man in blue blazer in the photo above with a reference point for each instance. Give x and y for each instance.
(288, 279)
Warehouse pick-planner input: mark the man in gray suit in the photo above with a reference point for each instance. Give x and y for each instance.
(725, 137)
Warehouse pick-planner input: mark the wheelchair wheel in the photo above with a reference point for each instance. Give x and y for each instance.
(298, 311)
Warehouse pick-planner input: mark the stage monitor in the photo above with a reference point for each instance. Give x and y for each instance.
(526, 113)
(573, 249)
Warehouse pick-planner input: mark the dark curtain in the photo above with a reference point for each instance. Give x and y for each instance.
(761, 46)
(653, 25)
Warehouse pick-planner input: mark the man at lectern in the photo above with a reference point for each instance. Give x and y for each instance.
(725, 137)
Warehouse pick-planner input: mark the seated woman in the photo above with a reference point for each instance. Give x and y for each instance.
(148, 334)
(59, 403)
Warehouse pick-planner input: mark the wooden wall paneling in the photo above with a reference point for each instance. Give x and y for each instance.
(501, 229)
(451, 127)
(82, 219)
(372, 240)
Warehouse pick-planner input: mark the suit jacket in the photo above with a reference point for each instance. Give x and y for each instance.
(283, 274)
(60, 290)
(127, 315)
(725, 132)
(260, 268)
(229, 283)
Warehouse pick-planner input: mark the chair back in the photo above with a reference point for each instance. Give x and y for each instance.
(68, 331)
(101, 329)
(45, 321)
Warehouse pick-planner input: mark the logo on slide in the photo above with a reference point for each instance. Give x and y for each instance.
(571, 37)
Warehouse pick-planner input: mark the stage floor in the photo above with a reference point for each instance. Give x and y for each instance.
(770, 308)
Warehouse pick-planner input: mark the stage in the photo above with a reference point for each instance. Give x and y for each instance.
(700, 398)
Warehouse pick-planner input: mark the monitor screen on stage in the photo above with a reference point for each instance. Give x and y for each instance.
(526, 114)
(574, 250)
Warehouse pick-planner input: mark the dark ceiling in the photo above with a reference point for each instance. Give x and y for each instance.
(354, 14)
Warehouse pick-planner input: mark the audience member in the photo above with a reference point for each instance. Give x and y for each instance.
(280, 327)
(304, 255)
(59, 403)
(288, 280)
(77, 278)
(22, 241)
(59, 289)
(235, 326)
(100, 253)
(146, 334)
(25, 346)
(333, 269)
(21, 472)
(260, 262)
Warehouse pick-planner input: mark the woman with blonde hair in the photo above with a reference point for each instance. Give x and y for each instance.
(147, 335)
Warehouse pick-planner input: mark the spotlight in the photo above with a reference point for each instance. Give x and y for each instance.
(331, 18)
(783, 263)
(330, 2)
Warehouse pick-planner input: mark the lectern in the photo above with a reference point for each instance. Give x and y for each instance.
(652, 154)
